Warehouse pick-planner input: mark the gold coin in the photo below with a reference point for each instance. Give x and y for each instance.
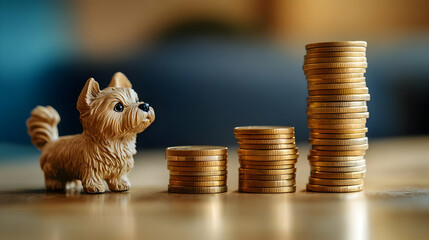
(267, 190)
(336, 189)
(336, 86)
(266, 177)
(337, 153)
(337, 126)
(198, 179)
(336, 49)
(267, 167)
(266, 171)
(337, 44)
(196, 164)
(336, 104)
(335, 65)
(334, 60)
(339, 115)
(197, 169)
(335, 182)
(267, 146)
(335, 76)
(338, 164)
(334, 158)
(316, 127)
(334, 71)
(339, 98)
(337, 175)
(347, 91)
(196, 184)
(337, 136)
(218, 189)
(267, 141)
(335, 81)
(264, 136)
(264, 130)
(357, 141)
(340, 131)
(341, 118)
(341, 148)
(267, 163)
(337, 109)
(331, 121)
(335, 54)
(258, 183)
(196, 150)
(197, 158)
(267, 152)
(268, 157)
(339, 169)
(187, 173)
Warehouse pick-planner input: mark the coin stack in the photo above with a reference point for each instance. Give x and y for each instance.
(267, 156)
(337, 114)
(197, 169)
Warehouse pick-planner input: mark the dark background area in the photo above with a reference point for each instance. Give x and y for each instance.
(207, 68)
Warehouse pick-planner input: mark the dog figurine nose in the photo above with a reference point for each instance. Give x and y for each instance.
(144, 107)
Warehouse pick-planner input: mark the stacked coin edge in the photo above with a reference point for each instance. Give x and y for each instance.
(337, 114)
(267, 157)
(197, 169)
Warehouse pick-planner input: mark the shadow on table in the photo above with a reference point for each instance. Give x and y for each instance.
(75, 195)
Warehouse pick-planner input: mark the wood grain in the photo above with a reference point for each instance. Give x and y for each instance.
(394, 204)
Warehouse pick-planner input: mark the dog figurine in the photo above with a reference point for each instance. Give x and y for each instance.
(111, 119)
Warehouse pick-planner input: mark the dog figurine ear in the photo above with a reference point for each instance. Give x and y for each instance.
(120, 80)
(89, 92)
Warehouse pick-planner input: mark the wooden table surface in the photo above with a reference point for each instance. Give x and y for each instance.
(394, 205)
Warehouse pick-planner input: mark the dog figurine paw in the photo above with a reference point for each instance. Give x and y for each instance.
(111, 120)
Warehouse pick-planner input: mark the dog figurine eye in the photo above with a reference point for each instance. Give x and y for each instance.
(118, 107)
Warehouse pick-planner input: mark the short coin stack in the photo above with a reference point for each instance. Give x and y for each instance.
(337, 114)
(197, 169)
(267, 156)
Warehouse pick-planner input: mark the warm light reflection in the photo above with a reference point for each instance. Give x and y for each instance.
(281, 212)
(214, 215)
(356, 216)
(102, 212)
(112, 211)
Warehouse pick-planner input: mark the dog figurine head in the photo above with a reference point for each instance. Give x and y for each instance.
(114, 112)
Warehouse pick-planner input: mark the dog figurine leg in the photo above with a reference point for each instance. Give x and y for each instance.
(119, 183)
(92, 183)
(53, 184)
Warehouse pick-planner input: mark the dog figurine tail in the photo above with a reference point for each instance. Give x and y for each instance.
(42, 125)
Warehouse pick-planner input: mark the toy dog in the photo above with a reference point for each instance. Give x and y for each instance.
(111, 119)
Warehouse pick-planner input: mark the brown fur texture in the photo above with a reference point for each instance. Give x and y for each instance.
(104, 151)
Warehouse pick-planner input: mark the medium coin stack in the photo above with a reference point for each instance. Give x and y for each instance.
(337, 114)
(267, 156)
(197, 169)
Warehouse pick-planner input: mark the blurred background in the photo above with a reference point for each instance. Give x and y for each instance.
(208, 66)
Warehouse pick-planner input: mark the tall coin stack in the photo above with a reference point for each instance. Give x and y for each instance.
(267, 156)
(197, 169)
(337, 114)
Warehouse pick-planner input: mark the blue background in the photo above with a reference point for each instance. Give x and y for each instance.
(201, 85)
